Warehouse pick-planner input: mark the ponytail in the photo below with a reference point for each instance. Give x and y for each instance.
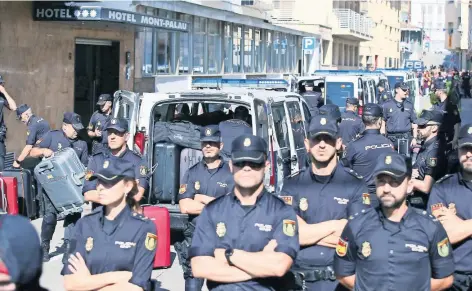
(130, 201)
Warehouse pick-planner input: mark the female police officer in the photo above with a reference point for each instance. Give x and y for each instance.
(113, 247)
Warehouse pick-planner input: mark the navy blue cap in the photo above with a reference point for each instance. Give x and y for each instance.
(119, 124)
(331, 110)
(210, 133)
(402, 85)
(430, 117)
(20, 249)
(73, 119)
(248, 148)
(104, 98)
(353, 101)
(465, 135)
(323, 124)
(114, 169)
(22, 109)
(391, 164)
(372, 109)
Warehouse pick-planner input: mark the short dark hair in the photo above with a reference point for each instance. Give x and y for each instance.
(370, 120)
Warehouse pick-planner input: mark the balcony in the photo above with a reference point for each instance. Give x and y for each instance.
(352, 25)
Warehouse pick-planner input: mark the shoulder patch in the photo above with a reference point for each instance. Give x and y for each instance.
(353, 173)
(139, 216)
(444, 178)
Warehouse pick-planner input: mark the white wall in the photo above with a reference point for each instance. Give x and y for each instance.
(430, 15)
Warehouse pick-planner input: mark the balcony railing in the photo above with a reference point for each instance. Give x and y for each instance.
(354, 22)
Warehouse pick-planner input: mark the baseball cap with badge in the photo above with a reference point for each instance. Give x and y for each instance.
(402, 85)
(465, 135)
(210, 133)
(118, 124)
(372, 109)
(103, 98)
(22, 109)
(248, 148)
(323, 125)
(430, 117)
(331, 110)
(73, 119)
(114, 169)
(392, 164)
(352, 101)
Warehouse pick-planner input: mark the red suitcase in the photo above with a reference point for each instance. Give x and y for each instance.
(9, 195)
(161, 218)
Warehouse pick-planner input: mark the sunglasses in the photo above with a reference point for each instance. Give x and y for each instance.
(252, 165)
(424, 126)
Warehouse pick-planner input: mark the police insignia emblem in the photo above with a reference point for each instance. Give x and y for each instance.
(98, 123)
(341, 247)
(59, 145)
(105, 164)
(443, 247)
(469, 131)
(151, 241)
(208, 132)
(221, 229)
(366, 249)
(88, 175)
(289, 227)
(435, 208)
(143, 170)
(432, 162)
(303, 204)
(323, 121)
(197, 185)
(183, 188)
(89, 244)
(247, 142)
(113, 121)
(366, 198)
(452, 207)
(390, 110)
(287, 199)
(90, 127)
(388, 160)
(28, 132)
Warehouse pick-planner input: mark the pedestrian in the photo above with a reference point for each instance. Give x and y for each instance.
(37, 127)
(383, 95)
(54, 141)
(113, 248)
(202, 183)
(20, 255)
(362, 153)
(246, 239)
(98, 123)
(117, 133)
(351, 124)
(324, 196)
(394, 246)
(450, 201)
(72, 125)
(6, 101)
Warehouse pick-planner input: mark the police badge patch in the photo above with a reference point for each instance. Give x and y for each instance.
(220, 229)
(288, 199)
(143, 170)
(303, 204)
(151, 241)
(366, 198)
(341, 247)
(432, 162)
(183, 188)
(289, 227)
(88, 175)
(443, 247)
(89, 244)
(366, 249)
(452, 207)
(197, 185)
(105, 164)
(388, 160)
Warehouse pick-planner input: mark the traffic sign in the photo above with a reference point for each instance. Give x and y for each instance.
(309, 43)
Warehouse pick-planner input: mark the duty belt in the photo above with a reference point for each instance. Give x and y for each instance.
(316, 274)
(399, 135)
(463, 278)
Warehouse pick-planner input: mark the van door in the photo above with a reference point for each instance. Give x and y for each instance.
(126, 105)
(296, 134)
(371, 91)
(360, 91)
(280, 137)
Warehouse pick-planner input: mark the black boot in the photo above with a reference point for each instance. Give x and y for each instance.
(66, 248)
(45, 247)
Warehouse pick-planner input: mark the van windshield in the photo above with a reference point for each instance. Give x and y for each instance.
(392, 80)
(337, 92)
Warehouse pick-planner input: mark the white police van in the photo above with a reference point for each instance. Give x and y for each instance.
(280, 118)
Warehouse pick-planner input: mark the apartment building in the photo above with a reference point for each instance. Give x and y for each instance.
(457, 33)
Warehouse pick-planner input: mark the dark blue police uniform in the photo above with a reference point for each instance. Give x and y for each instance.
(229, 130)
(321, 198)
(450, 119)
(126, 243)
(37, 126)
(362, 153)
(351, 124)
(383, 97)
(332, 111)
(79, 146)
(226, 223)
(440, 82)
(201, 180)
(100, 120)
(314, 101)
(3, 127)
(20, 252)
(388, 255)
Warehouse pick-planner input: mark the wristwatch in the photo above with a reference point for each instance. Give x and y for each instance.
(228, 253)
(18, 162)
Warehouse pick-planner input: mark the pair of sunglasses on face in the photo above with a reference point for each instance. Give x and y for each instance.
(252, 165)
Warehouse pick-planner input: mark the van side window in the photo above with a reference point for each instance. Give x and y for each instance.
(280, 125)
(306, 111)
(261, 125)
(297, 123)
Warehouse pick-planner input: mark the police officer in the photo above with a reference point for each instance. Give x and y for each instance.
(362, 153)
(430, 164)
(451, 122)
(114, 246)
(351, 124)
(51, 142)
(314, 98)
(232, 128)
(383, 95)
(331, 110)
(72, 124)
(244, 239)
(202, 183)
(37, 127)
(439, 82)
(117, 134)
(399, 114)
(20, 254)
(323, 195)
(450, 201)
(99, 122)
(8, 102)
(393, 247)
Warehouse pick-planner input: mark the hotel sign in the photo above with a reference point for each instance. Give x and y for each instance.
(53, 12)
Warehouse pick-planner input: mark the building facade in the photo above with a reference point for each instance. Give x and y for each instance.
(429, 15)
(457, 33)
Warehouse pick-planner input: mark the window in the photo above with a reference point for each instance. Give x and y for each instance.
(248, 38)
(276, 53)
(297, 124)
(199, 29)
(356, 56)
(306, 112)
(258, 46)
(340, 54)
(228, 51)
(237, 41)
(283, 53)
(269, 52)
(148, 67)
(261, 120)
(184, 47)
(346, 55)
(214, 47)
(163, 51)
(280, 124)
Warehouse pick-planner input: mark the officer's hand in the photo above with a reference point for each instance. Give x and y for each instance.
(98, 133)
(271, 245)
(415, 173)
(447, 215)
(77, 265)
(413, 142)
(47, 153)
(5, 284)
(16, 165)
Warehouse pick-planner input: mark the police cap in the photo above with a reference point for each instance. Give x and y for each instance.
(353, 101)
(119, 124)
(73, 119)
(210, 133)
(372, 109)
(114, 169)
(331, 110)
(248, 148)
(433, 117)
(22, 109)
(103, 98)
(391, 164)
(402, 85)
(323, 125)
(465, 135)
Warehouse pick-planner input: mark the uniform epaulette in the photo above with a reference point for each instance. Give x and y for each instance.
(444, 178)
(134, 151)
(139, 216)
(358, 214)
(354, 173)
(96, 211)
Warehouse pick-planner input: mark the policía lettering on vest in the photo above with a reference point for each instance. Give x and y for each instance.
(380, 146)
(121, 16)
(53, 13)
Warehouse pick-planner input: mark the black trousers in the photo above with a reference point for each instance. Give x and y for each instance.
(3, 151)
